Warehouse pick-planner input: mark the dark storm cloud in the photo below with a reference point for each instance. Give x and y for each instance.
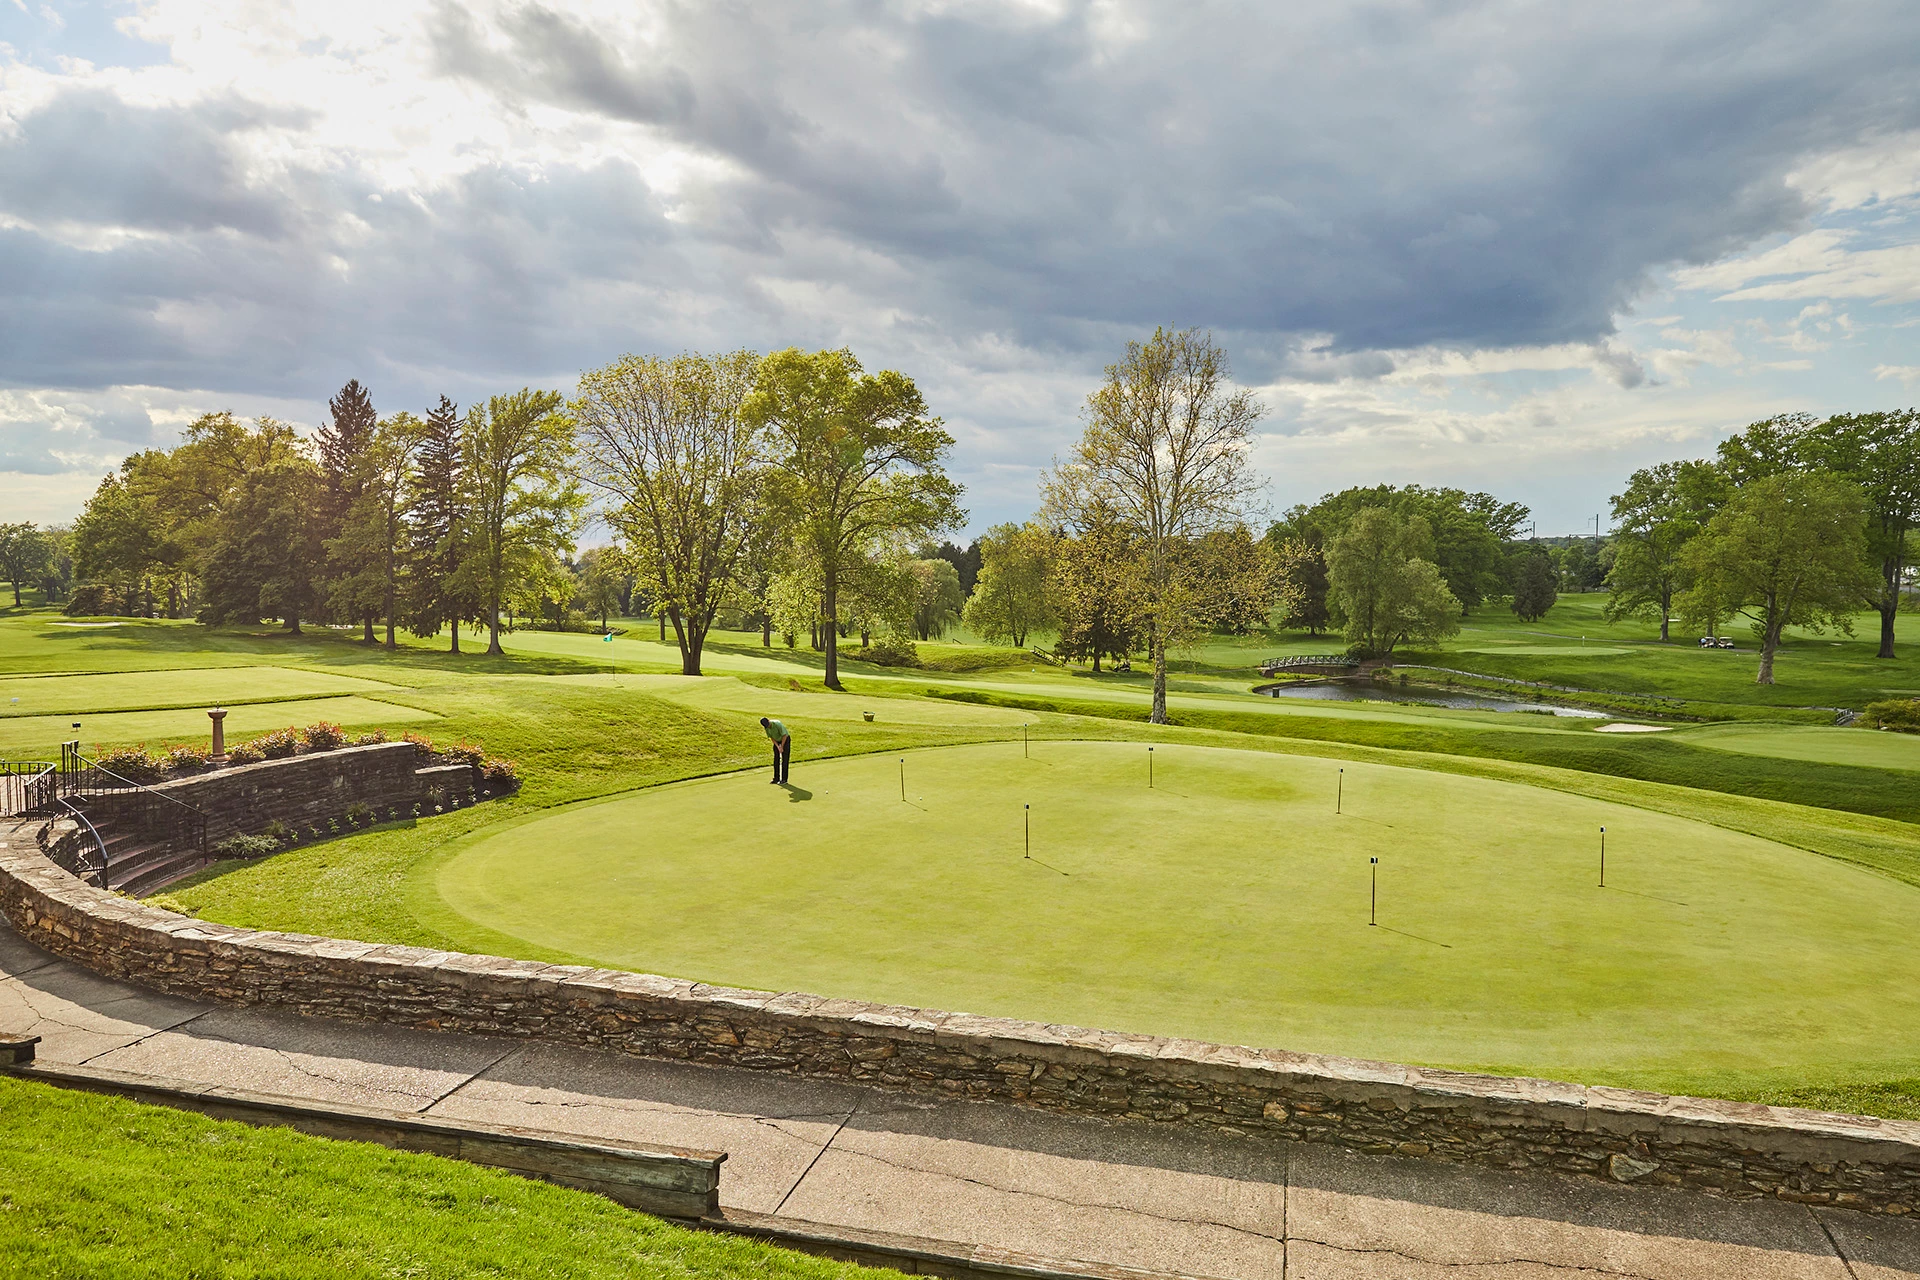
(1394, 175)
(87, 157)
(1354, 179)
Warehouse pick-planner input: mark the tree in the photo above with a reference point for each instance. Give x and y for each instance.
(1386, 588)
(341, 447)
(855, 458)
(965, 561)
(602, 573)
(437, 539)
(26, 554)
(1470, 531)
(523, 504)
(936, 598)
(1098, 589)
(1230, 582)
(118, 537)
(1533, 592)
(367, 555)
(1300, 570)
(1789, 550)
(1662, 509)
(665, 440)
(1880, 452)
(270, 552)
(1011, 596)
(1165, 448)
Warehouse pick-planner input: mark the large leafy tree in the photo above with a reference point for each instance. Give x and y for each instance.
(1880, 452)
(1300, 570)
(436, 534)
(1662, 509)
(521, 500)
(1386, 587)
(1165, 448)
(1098, 588)
(270, 554)
(26, 555)
(1789, 549)
(854, 459)
(1533, 585)
(936, 597)
(119, 538)
(664, 439)
(1470, 531)
(1012, 595)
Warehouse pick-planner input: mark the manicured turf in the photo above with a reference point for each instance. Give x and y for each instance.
(151, 690)
(39, 737)
(1229, 902)
(93, 1187)
(1852, 746)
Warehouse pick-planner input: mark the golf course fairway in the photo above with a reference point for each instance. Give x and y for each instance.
(1229, 902)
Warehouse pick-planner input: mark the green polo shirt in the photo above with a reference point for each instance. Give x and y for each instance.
(777, 731)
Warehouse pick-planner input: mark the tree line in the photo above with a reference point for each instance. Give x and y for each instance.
(800, 495)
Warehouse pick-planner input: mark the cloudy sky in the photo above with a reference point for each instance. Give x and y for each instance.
(1514, 246)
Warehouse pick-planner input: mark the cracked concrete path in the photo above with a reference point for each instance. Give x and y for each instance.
(976, 1173)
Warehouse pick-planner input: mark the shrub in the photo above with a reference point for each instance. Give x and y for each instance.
(186, 759)
(167, 902)
(463, 753)
(421, 743)
(245, 753)
(279, 744)
(370, 739)
(133, 764)
(246, 847)
(323, 735)
(277, 831)
(1902, 715)
(360, 813)
(891, 653)
(500, 772)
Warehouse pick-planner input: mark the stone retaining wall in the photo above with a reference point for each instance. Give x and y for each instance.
(1726, 1148)
(300, 791)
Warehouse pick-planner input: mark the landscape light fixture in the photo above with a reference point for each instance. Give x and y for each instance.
(1373, 901)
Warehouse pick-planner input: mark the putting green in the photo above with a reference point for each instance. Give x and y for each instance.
(1818, 743)
(1229, 903)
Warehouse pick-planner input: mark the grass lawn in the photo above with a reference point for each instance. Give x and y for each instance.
(1229, 903)
(1650, 994)
(95, 1187)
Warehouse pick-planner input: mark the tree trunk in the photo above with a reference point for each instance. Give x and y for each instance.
(829, 606)
(1886, 629)
(660, 616)
(293, 624)
(367, 636)
(766, 631)
(16, 593)
(456, 637)
(1767, 646)
(1889, 603)
(1159, 713)
(494, 647)
(683, 634)
(1666, 607)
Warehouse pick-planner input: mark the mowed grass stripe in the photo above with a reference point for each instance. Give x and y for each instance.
(39, 737)
(1230, 903)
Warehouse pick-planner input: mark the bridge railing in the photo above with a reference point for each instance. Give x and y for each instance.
(1272, 665)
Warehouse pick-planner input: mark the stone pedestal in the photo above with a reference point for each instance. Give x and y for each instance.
(218, 715)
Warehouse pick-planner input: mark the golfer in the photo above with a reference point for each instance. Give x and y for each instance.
(782, 748)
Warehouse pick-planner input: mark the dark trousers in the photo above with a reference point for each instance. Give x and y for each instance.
(782, 752)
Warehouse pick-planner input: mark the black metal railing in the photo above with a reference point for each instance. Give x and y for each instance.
(155, 812)
(84, 855)
(28, 787)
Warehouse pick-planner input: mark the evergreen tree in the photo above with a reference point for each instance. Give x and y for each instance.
(342, 446)
(436, 524)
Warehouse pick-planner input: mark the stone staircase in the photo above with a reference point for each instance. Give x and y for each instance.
(139, 866)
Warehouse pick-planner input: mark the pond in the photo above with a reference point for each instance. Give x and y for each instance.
(1422, 695)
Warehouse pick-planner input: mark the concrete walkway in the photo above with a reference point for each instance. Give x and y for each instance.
(972, 1173)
